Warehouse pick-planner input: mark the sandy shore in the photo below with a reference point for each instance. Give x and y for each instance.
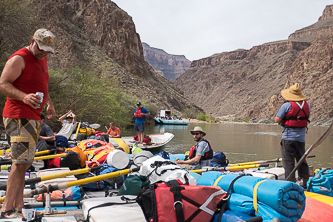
(194, 121)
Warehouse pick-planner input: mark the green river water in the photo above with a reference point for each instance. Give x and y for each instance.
(246, 142)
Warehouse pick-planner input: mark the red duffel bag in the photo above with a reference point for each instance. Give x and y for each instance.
(174, 202)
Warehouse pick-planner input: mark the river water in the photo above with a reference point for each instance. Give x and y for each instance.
(246, 142)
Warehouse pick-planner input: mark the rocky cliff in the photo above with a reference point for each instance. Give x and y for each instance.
(100, 34)
(170, 66)
(247, 83)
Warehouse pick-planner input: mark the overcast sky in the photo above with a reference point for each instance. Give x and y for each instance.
(201, 28)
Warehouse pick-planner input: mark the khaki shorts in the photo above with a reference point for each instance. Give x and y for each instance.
(23, 135)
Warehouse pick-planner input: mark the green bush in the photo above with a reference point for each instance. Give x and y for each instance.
(91, 98)
(201, 116)
(246, 120)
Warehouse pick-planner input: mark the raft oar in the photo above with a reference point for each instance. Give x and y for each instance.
(9, 161)
(44, 152)
(78, 129)
(277, 160)
(312, 147)
(54, 176)
(65, 185)
(229, 168)
(4, 151)
(50, 156)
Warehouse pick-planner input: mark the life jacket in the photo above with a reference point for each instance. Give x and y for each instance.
(298, 116)
(98, 155)
(138, 113)
(208, 155)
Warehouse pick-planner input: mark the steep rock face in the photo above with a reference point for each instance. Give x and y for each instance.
(98, 32)
(170, 66)
(247, 83)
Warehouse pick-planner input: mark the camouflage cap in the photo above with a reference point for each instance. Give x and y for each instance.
(44, 39)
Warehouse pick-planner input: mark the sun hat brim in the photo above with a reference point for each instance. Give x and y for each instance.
(289, 96)
(197, 129)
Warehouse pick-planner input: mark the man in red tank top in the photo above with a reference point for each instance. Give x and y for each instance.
(25, 74)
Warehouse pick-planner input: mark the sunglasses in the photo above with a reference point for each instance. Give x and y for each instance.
(39, 48)
(196, 134)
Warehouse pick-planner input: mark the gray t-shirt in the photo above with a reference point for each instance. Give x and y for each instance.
(67, 129)
(201, 148)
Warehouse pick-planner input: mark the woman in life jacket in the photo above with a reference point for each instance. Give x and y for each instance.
(200, 154)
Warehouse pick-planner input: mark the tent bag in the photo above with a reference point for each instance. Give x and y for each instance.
(172, 202)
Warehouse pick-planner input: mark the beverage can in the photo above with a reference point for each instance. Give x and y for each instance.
(41, 98)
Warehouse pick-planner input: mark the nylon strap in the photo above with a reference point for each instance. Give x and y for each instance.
(218, 180)
(178, 205)
(255, 198)
(224, 201)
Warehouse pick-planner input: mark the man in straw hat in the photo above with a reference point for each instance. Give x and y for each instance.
(24, 81)
(200, 154)
(293, 116)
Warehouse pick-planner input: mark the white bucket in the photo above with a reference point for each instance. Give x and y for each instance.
(118, 159)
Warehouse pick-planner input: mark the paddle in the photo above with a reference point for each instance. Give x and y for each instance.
(54, 176)
(312, 147)
(62, 186)
(49, 151)
(9, 161)
(277, 160)
(229, 168)
(77, 130)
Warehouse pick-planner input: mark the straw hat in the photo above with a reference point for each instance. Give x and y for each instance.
(293, 93)
(198, 129)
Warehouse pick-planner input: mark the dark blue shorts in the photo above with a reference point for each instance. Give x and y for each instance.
(139, 127)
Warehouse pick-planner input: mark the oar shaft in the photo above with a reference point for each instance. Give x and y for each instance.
(42, 152)
(277, 160)
(9, 161)
(50, 156)
(229, 168)
(77, 130)
(55, 176)
(257, 162)
(60, 186)
(312, 147)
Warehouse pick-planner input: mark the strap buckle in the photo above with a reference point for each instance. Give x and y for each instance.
(177, 202)
(227, 196)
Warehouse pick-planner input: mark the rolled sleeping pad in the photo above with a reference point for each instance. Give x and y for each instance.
(284, 197)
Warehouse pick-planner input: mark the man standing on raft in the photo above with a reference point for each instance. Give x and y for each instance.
(24, 81)
(293, 116)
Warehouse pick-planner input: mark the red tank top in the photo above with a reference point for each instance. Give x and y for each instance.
(34, 78)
